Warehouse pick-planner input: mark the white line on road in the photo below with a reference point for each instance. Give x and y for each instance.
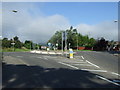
(76, 62)
(80, 60)
(24, 62)
(108, 80)
(82, 57)
(83, 64)
(19, 56)
(68, 65)
(45, 58)
(39, 57)
(115, 73)
(92, 64)
(94, 70)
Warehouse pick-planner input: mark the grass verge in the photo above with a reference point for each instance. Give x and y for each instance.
(14, 50)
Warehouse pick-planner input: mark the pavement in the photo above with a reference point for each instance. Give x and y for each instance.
(50, 52)
(39, 70)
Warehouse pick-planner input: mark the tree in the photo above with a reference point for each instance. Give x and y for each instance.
(73, 38)
(101, 44)
(6, 43)
(28, 44)
(56, 38)
(17, 42)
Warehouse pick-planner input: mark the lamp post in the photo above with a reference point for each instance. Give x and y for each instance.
(64, 37)
(62, 42)
(115, 20)
(77, 41)
(69, 45)
(15, 11)
(65, 40)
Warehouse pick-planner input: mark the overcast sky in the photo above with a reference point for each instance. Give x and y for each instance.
(39, 21)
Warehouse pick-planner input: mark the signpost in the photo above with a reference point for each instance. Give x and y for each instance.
(49, 44)
(13, 46)
(57, 45)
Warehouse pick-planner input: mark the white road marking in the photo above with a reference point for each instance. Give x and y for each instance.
(45, 58)
(80, 60)
(115, 73)
(83, 64)
(19, 56)
(68, 65)
(24, 63)
(92, 64)
(82, 57)
(76, 62)
(39, 57)
(94, 70)
(108, 80)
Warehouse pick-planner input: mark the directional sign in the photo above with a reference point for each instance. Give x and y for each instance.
(49, 44)
(56, 44)
(12, 43)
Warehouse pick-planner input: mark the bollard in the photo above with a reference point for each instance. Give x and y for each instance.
(71, 53)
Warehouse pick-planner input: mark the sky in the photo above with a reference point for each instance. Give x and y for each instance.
(38, 21)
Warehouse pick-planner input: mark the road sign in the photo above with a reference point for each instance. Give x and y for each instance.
(12, 43)
(49, 44)
(56, 44)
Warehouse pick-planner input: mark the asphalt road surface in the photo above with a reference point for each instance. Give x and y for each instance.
(85, 70)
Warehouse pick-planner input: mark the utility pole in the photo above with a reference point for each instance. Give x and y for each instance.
(65, 40)
(62, 41)
(77, 42)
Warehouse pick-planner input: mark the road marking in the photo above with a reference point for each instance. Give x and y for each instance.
(45, 58)
(82, 57)
(80, 60)
(19, 56)
(94, 70)
(68, 65)
(75, 62)
(115, 73)
(92, 64)
(83, 64)
(24, 63)
(39, 57)
(108, 80)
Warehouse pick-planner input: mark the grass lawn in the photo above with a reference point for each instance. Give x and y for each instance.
(12, 50)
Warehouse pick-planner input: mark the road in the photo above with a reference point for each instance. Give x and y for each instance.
(85, 70)
(105, 60)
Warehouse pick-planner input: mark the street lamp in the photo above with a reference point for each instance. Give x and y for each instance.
(62, 41)
(77, 41)
(15, 11)
(64, 37)
(69, 45)
(115, 20)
